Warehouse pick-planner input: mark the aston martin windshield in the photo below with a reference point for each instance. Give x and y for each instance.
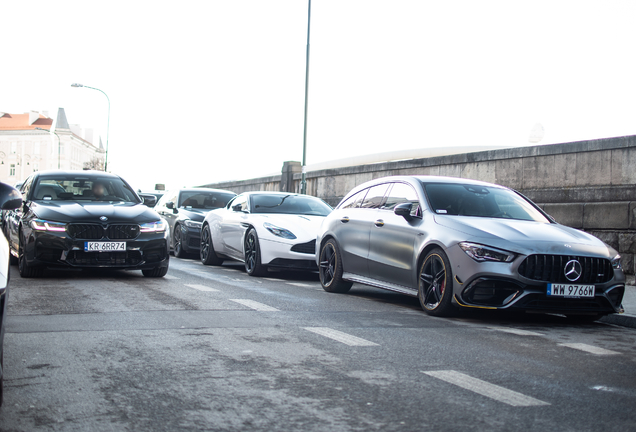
(480, 201)
(290, 204)
(83, 189)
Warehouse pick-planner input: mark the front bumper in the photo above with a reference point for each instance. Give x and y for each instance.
(50, 249)
(299, 255)
(496, 285)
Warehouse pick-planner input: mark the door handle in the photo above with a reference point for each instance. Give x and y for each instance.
(379, 223)
(345, 219)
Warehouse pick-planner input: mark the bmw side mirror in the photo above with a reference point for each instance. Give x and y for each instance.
(403, 210)
(170, 205)
(10, 197)
(149, 200)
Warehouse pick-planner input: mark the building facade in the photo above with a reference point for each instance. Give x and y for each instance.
(24, 149)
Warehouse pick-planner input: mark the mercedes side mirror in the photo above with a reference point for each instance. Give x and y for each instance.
(237, 208)
(10, 197)
(403, 210)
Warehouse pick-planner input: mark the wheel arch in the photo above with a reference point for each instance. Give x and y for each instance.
(425, 251)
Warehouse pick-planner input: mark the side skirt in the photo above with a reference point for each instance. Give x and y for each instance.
(379, 284)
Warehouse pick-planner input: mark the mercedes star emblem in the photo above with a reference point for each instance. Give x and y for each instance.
(573, 270)
(103, 218)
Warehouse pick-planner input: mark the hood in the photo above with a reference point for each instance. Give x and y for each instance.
(304, 227)
(92, 211)
(194, 214)
(527, 237)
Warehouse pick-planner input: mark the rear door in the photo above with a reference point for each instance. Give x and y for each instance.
(392, 239)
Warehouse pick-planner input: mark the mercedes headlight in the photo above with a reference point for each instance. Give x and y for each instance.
(616, 263)
(44, 225)
(158, 226)
(278, 231)
(483, 253)
(193, 224)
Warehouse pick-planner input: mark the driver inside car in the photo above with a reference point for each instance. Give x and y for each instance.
(99, 190)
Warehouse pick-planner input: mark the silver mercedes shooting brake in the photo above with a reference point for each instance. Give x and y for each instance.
(457, 243)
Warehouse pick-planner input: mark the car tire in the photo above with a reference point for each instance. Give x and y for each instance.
(252, 254)
(208, 255)
(435, 284)
(155, 272)
(28, 271)
(331, 269)
(177, 243)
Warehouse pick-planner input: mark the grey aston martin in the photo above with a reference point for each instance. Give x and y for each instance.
(457, 243)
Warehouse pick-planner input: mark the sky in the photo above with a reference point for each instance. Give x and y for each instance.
(205, 91)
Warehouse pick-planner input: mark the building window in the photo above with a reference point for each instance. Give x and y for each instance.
(36, 167)
(61, 149)
(12, 170)
(14, 147)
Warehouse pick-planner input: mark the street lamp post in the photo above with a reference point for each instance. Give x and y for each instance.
(303, 181)
(58, 143)
(107, 121)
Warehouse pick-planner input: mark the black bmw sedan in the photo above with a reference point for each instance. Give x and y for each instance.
(86, 219)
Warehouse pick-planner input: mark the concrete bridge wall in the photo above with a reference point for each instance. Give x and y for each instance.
(590, 185)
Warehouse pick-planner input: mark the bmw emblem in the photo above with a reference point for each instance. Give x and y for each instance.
(573, 270)
(103, 218)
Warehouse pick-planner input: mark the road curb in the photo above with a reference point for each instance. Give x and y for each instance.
(620, 319)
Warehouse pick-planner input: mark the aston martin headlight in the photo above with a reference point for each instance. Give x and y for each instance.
(158, 226)
(483, 253)
(193, 224)
(278, 231)
(44, 225)
(616, 263)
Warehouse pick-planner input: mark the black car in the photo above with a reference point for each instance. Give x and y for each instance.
(184, 211)
(86, 219)
(9, 199)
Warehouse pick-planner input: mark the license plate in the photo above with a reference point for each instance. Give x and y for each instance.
(574, 291)
(104, 246)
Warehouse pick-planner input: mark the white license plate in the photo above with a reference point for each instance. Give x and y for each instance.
(566, 290)
(104, 246)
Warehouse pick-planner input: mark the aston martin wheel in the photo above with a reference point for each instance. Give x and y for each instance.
(177, 244)
(253, 265)
(435, 289)
(208, 255)
(331, 269)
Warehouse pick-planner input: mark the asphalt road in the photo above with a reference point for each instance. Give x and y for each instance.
(214, 349)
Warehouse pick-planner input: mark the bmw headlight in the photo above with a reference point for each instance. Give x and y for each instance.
(44, 225)
(278, 231)
(158, 226)
(616, 263)
(193, 224)
(483, 253)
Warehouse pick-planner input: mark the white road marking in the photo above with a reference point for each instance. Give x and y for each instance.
(170, 277)
(516, 331)
(484, 388)
(273, 279)
(200, 287)
(339, 336)
(238, 280)
(298, 284)
(589, 348)
(255, 305)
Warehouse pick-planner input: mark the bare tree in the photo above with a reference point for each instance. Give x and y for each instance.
(95, 163)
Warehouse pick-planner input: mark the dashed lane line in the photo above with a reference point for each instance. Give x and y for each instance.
(274, 279)
(516, 331)
(339, 336)
(201, 287)
(492, 391)
(170, 277)
(255, 305)
(589, 348)
(299, 284)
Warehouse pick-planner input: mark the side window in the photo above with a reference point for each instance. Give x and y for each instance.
(375, 196)
(26, 187)
(401, 193)
(354, 200)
